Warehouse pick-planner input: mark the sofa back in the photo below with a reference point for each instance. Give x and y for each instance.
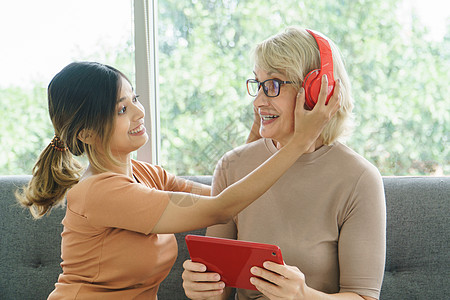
(418, 235)
(417, 238)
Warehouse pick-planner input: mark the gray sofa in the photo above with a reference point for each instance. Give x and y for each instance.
(418, 247)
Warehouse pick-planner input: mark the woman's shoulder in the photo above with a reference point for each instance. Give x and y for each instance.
(348, 158)
(256, 148)
(152, 175)
(242, 160)
(147, 169)
(92, 188)
(142, 165)
(349, 154)
(101, 179)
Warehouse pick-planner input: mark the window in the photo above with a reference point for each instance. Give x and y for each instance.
(397, 59)
(39, 38)
(197, 54)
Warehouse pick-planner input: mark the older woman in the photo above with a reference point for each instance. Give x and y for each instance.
(327, 212)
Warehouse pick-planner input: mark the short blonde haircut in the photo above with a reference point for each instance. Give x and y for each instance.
(294, 53)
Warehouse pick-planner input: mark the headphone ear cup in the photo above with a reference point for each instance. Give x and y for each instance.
(311, 84)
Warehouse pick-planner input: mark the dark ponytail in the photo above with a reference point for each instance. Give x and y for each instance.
(53, 174)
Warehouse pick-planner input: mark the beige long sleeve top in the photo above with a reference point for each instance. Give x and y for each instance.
(327, 213)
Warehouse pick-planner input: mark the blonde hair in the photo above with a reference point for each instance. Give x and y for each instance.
(294, 53)
(82, 96)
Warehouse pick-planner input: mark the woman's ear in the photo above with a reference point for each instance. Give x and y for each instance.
(86, 136)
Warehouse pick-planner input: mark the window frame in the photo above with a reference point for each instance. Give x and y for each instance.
(146, 69)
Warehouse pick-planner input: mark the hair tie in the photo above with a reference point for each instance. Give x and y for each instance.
(57, 144)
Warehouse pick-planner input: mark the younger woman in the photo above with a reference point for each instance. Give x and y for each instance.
(121, 214)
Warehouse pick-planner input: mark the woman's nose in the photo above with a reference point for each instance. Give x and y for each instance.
(261, 99)
(139, 110)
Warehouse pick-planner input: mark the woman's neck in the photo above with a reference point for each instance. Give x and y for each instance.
(318, 144)
(125, 168)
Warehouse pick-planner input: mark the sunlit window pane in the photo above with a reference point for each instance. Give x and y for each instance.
(38, 39)
(396, 55)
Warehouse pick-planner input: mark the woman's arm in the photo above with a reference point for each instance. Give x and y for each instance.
(200, 189)
(188, 212)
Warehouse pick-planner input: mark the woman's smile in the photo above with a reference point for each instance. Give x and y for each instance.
(138, 130)
(267, 118)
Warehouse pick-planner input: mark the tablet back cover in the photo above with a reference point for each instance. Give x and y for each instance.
(232, 259)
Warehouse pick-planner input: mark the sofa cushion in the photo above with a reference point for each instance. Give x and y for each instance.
(418, 238)
(30, 249)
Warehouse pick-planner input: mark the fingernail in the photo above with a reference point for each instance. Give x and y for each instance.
(324, 76)
(252, 280)
(253, 270)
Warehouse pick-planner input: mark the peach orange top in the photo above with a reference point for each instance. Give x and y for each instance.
(107, 249)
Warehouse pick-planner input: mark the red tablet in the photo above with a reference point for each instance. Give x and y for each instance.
(232, 259)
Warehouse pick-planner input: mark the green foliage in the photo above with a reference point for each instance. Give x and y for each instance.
(399, 79)
(26, 128)
(24, 120)
(400, 83)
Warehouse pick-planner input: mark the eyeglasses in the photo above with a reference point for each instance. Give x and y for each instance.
(271, 87)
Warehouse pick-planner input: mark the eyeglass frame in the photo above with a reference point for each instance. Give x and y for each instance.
(280, 82)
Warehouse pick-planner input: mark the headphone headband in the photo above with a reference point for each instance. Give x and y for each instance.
(312, 81)
(326, 56)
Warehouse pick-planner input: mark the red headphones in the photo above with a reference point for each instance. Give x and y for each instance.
(313, 79)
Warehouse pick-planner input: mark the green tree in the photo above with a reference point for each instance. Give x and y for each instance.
(397, 76)
(26, 126)
(400, 83)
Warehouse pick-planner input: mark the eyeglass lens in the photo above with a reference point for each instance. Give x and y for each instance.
(271, 87)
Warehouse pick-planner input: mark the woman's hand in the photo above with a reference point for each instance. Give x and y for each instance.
(288, 282)
(254, 131)
(281, 281)
(309, 124)
(199, 284)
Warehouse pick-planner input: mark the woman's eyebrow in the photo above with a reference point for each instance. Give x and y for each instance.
(269, 73)
(121, 100)
(125, 97)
